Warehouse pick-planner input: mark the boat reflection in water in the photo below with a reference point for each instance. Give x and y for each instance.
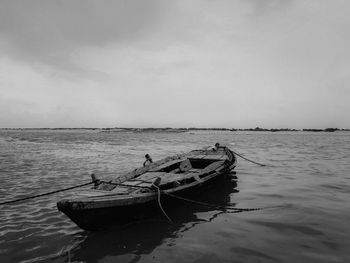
(142, 237)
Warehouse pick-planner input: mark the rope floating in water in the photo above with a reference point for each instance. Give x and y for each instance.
(219, 207)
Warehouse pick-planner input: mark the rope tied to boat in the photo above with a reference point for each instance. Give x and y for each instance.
(48, 193)
(95, 182)
(219, 207)
(261, 164)
(160, 204)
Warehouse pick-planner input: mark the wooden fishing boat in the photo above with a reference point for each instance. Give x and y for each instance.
(137, 194)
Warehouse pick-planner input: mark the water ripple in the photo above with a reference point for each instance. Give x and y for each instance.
(307, 171)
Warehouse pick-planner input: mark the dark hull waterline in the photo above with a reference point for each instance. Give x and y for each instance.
(94, 219)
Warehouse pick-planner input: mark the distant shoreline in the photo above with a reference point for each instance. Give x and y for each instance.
(178, 130)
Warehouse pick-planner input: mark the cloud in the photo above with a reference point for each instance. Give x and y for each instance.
(175, 63)
(50, 31)
(261, 8)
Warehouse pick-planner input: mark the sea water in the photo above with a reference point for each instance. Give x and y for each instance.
(305, 189)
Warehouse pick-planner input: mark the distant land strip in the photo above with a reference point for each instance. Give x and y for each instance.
(116, 129)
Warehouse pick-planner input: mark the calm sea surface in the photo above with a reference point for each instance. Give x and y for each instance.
(307, 177)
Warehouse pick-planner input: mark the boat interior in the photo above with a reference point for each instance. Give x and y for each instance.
(172, 173)
(177, 172)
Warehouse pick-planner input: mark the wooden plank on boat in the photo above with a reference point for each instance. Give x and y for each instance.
(131, 183)
(199, 156)
(155, 169)
(198, 179)
(142, 183)
(114, 199)
(146, 184)
(90, 193)
(168, 178)
(97, 193)
(120, 190)
(193, 170)
(211, 153)
(213, 166)
(149, 176)
(215, 157)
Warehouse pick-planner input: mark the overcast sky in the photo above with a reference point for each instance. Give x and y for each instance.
(160, 63)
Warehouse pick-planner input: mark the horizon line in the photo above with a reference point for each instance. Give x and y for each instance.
(172, 128)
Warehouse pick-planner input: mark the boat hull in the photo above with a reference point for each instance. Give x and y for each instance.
(181, 175)
(99, 218)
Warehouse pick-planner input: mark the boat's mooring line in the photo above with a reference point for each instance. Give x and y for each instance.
(44, 194)
(247, 159)
(160, 204)
(219, 207)
(159, 192)
(96, 182)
